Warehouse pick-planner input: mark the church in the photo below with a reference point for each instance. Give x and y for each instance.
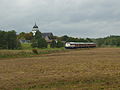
(47, 36)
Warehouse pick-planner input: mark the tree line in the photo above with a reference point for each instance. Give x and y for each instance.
(73, 39)
(108, 41)
(8, 40)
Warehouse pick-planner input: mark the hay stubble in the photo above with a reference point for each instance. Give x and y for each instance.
(78, 69)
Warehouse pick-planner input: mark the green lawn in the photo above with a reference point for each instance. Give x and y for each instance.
(27, 52)
(26, 46)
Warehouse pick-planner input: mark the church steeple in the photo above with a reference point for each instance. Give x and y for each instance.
(35, 29)
(35, 26)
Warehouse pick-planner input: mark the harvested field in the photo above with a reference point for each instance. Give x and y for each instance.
(92, 69)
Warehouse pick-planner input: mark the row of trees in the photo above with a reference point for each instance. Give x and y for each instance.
(25, 36)
(72, 39)
(29, 36)
(8, 40)
(108, 41)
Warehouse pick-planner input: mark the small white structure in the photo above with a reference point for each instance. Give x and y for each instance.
(35, 29)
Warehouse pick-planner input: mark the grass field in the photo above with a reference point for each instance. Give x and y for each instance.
(92, 69)
(26, 46)
(28, 52)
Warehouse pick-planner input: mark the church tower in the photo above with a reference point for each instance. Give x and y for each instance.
(35, 29)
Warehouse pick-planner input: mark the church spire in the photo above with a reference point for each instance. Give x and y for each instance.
(35, 29)
(35, 26)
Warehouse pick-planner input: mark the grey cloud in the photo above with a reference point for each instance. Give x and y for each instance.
(79, 18)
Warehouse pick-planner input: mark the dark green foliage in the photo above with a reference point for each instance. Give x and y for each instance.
(54, 37)
(34, 43)
(53, 44)
(59, 44)
(25, 36)
(89, 40)
(56, 44)
(3, 40)
(38, 41)
(108, 41)
(99, 42)
(11, 38)
(42, 43)
(38, 35)
(21, 35)
(64, 38)
(8, 40)
(72, 39)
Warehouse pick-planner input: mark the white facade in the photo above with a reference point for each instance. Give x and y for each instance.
(35, 29)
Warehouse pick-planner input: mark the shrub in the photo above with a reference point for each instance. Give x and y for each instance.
(53, 44)
(35, 51)
(60, 44)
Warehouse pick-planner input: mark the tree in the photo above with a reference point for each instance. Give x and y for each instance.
(53, 44)
(64, 38)
(34, 43)
(25, 36)
(108, 41)
(28, 36)
(38, 35)
(21, 35)
(3, 40)
(12, 39)
(8, 40)
(59, 44)
(42, 43)
(38, 41)
(88, 40)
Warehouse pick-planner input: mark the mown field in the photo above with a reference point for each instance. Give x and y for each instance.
(90, 69)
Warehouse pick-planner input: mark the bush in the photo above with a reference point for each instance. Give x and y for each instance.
(60, 44)
(35, 51)
(57, 44)
(53, 44)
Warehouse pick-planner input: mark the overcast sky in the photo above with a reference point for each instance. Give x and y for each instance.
(79, 18)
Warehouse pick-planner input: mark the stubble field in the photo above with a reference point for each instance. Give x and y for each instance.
(91, 69)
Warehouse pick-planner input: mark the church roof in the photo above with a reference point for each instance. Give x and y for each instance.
(35, 26)
(47, 34)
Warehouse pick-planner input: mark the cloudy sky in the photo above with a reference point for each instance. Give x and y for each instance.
(78, 18)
